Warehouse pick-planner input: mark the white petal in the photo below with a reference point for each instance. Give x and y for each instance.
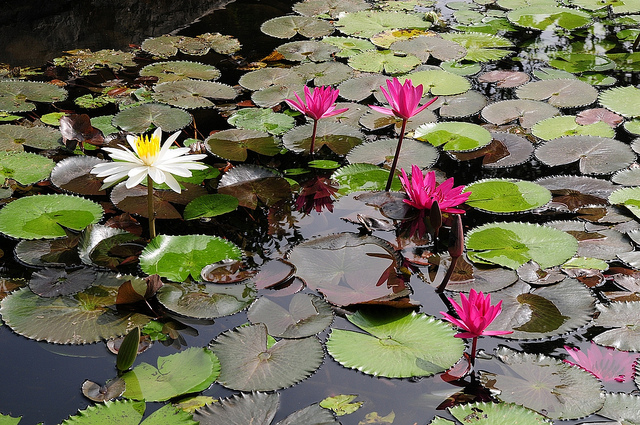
(172, 183)
(157, 175)
(134, 181)
(132, 142)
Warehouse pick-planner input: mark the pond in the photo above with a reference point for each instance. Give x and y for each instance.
(278, 271)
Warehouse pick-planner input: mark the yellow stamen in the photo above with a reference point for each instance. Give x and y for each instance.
(148, 148)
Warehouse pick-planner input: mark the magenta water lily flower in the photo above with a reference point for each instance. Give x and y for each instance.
(404, 100)
(607, 364)
(423, 190)
(318, 103)
(475, 315)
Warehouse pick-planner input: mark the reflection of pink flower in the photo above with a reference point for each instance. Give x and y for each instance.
(319, 103)
(476, 314)
(423, 190)
(607, 364)
(403, 99)
(316, 194)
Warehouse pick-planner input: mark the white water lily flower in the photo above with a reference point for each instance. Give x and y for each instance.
(147, 158)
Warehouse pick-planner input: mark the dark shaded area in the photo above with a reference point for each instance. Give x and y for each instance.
(36, 31)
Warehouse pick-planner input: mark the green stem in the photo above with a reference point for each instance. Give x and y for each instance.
(313, 137)
(392, 172)
(150, 209)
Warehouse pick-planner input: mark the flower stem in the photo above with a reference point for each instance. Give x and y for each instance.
(150, 209)
(313, 137)
(392, 172)
(474, 345)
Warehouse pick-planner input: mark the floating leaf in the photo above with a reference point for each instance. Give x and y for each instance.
(544, 384)
(223, 44)
(481, 47)
(56, 282)
(349, 45)
(274, 95)
(234, 144)
(95, 392)
(461, 105)
(61, 252)
(358, 177)
(250, 183)
(104, 246)
(438, 82)
(332, 8)
(206, 301)
(25, 168)
(180, 70)
(325, 73)
(308, 50)
(383, 61)
(454, 136)
(624, 323)
(527, 112)
(348, 269)
(483, 413)
(84, 61)
(267, 77)
(398, 344)
(305, 316)
(360, 88)
(505, 79)
(124, 412)
(505, 196)
(374, 120)
(592, 116)
(262, 120)
(577, 191)
(505, 150)
(581, 62)
(188, 371)
(381, 153)
(513, 244)
(82, 318)
(560, 93)
(340, 138)
(423, 47)
(190, 94)
(178, 257)
(622, 100)
(367, 23)
(142, 118)
(16, 96)
(596, 155)
(566, 125)
(168, 45)
(602, 243)
(341, 404)
(210, 206)
(73, 174)
(289, 26)
(549, 17)
(134, 200)
(47, 216)
(248, 364)
(14, 137)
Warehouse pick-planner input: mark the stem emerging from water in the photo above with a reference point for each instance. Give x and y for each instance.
(473, 351)
(313, 137)
(392, 172)
(150, 209)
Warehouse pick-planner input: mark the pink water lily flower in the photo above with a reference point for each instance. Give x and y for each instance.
(317, 104)
(607, 364)
(476, 314)
(423, 190)
(403, 99)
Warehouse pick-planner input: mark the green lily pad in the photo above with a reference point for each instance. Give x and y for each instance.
(308, 50)
(180, 70)
(210, 206)
(527, 112)
(25, 168)
(549, 17)
(267, 77)
(206, 301)
(596, 155)
(47, 216)
(349, 45)
(621, 407)
(262, 120)
(423, 47)
(513, 244)
(341, 404)
(626, 62)
(454, 136)
(14, 137)
(398, 344)
(581, 62)
(178, 257)
(188, 371)
(367, 23)
(559, 93)
(566, 125)
(289, 26)
(482, 413)
(381, 153)
(544, 384)
(250, 364)
(340, 138)
(461, 105)
(142, 118)
(82, 318)
(481, 47)
(438, 82)
(357, 177)
(125, 412)
(305, 316)
(617, 6)
(622, 100)
(17, 96)
(234, 144)
(360, 88)
(276, 94)
(324, 73)
(629, 197)
(329, 8)
(383, 61)
(168, 45)
(84, 61)
(191, 94)
(506, 196)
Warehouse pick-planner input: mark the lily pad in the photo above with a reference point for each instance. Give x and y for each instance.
(383, 61)
(601, 243)
(577, 191)
(367, 23)
(461, 105)
(178, 257)
(191, 94)
(125, 412)
(168, 45)
(331, 8)
(358, 177)
(621, 407)
(349, 45)
(25, 168)
(628, 177)
(250, 183)
(527, 112)
(305, 316)
(47, 216)
(481, 47)
(622, 100)
(617, 6)
(549, 17)
(276, 94)
(505, 150)
(134, 200)
(513, 244)
(289, 26)
(57, 282)
(308, 50)
(423, 47)
(438, 82)
(180, 70)
(580, 62)
(623, 323)
(234, 144)
(142, 118)
(483, 413)
(381, 153)
(249, 364)
(340, 138)
(397, 344)
(506, 196)
(73, 174)
(14, 137)
(559, 93)
(61, 252)
(544, 384)
(504, 79)
(566, 125)
(596, 155)
(267, 77)
(348, 269)
(83, 318)
(360, 88)
(104, 246)
(17, 96)
(188, 371)
(210, 206)
(262, 120)
(454, 136)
